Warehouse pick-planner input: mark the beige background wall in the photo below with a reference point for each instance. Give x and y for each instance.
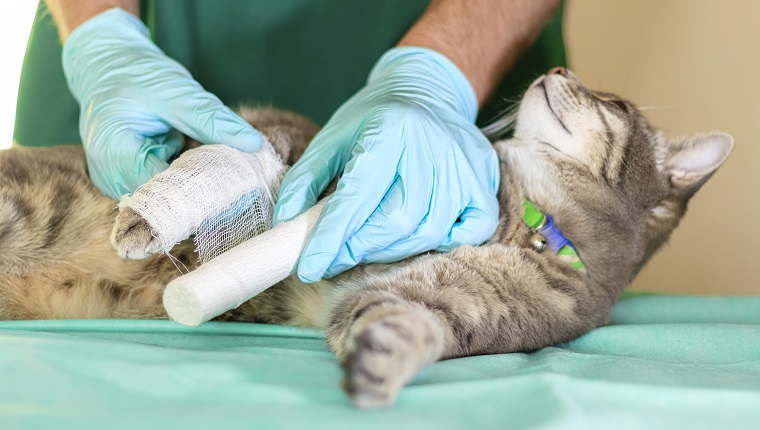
(700, 59)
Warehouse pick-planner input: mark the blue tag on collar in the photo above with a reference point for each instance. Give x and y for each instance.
(555, 240)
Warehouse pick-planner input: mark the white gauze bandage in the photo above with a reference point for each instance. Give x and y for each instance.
(219, 194)
(244, 271)
(226, 199)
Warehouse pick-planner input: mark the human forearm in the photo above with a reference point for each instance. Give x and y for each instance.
(482, 37)
(68, 14)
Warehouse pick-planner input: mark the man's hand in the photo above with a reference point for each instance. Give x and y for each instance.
(419, 175)
(136, 102)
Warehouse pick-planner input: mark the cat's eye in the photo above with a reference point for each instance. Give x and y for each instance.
(613, 101)
(620, 104)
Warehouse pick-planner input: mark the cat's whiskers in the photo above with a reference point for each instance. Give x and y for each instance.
(504, 124)
(658, 107)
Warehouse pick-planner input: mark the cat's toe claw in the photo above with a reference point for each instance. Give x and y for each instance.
(132, 236)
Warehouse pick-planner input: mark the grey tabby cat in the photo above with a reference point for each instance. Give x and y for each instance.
(614, 186)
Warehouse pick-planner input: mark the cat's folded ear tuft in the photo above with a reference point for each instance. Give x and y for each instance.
(691, 161)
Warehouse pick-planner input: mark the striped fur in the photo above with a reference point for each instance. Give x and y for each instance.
(614, 185)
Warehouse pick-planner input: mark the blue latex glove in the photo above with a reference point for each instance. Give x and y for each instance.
(418, 176)
(135, 101)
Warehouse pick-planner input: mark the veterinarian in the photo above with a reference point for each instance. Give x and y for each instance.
(417, 174)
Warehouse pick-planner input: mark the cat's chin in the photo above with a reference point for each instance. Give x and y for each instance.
(534, 175)
(538, 120)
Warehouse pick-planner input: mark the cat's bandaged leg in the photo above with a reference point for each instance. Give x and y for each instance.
(219, 194)
(225, 198)
(242, 272)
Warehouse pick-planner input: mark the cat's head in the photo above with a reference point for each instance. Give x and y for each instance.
(615, 185)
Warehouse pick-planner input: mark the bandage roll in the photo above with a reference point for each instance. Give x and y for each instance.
(240, 273)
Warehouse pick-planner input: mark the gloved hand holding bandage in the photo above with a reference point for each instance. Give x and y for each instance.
(418, 174)
(136, 102)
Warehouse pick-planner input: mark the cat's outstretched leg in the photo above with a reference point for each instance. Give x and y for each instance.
(474, 300)
(383, 341)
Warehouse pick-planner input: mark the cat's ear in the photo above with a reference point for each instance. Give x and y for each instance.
(689, 162)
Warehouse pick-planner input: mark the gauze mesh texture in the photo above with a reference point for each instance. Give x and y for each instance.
(221, 195)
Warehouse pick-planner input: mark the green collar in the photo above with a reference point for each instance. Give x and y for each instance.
(547, 235)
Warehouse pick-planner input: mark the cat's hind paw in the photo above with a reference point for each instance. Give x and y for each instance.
(133, 237)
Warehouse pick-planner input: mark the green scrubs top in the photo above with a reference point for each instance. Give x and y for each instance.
(307, 56)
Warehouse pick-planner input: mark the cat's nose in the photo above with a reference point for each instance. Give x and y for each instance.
(558, 71)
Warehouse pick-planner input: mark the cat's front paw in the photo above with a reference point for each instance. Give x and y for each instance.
(385, 355)
(132, 236)
(373, 374)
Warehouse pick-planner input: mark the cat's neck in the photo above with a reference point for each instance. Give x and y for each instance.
(513, 231)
